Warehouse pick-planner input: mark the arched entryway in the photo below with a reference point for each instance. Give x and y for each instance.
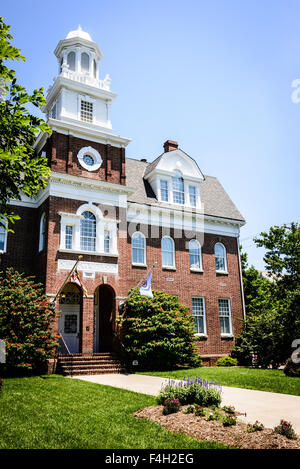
(105, 307)
(69, 323)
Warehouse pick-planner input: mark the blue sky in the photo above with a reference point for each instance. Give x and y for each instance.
(213, 75)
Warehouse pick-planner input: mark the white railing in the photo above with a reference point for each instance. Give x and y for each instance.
(87, 79)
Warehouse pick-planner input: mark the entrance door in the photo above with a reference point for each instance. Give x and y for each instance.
(69, 326)
(105, 317)
(70, 318)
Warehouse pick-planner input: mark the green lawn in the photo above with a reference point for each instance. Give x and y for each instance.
(250, 378)
(61, 413)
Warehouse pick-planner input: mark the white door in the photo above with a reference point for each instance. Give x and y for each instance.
(68, 326)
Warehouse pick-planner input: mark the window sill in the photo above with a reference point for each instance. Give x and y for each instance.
(168, 267)
(200, 336)
(92, 253)
(221, 272)
(136, 264)
(194, 269)
(227, 336)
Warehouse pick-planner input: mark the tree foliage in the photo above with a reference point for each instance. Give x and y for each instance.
(25, 322)
(158, 332)
(272, 304)
(21, 169)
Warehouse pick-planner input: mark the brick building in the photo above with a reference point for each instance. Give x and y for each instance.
(122, 216)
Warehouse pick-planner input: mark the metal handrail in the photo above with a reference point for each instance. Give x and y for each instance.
(67, 349)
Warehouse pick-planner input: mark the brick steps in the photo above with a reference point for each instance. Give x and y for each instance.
(100, 363)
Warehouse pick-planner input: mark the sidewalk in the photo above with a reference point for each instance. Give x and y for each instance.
(266, 407)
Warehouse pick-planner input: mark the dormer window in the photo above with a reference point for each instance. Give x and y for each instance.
(164, 192)
(192, 194)
(178, 188)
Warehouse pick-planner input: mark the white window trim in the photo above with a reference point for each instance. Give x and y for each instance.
(225, 334)
(88, 100)
(168, 267)
(225, 259)
(73, 219)
(94, 154)
(5, 223)
(139, 264)
(204, 333)
(194, 195)
(200, 268)
(160, 190)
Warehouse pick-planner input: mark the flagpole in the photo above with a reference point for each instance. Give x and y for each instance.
(140, 283)
(67, 278)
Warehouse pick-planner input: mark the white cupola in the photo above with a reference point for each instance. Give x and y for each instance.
(78, 100)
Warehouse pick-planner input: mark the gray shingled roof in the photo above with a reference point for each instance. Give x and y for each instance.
(216, 201)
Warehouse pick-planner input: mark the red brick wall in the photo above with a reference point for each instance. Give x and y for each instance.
(62, 150)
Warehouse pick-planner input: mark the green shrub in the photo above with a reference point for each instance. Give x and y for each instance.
(285, 428)
(192, 394)
(25, 323)
(229, 409)
(158, 332)
(199, 411)
(171, 406)
(227, 361)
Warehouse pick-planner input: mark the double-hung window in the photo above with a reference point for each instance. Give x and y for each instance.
(164, 192)
(68, 237)
(168, 252)
(198, 309)
(220, 256)
(138, 245)
(192, 194)
(225, 316)
(195, 254)
(3, 236)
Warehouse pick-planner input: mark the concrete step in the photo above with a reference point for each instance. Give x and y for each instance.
(100, 363)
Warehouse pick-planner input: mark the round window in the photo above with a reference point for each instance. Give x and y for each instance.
(89, 160)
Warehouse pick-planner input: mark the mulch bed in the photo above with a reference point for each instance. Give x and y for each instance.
(235, 436)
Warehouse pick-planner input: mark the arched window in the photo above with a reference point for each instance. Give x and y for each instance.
(138, 246)
(220, 255)
(195, 254)
(167, 252)
(85, 62)
(3, 235)
(88, 232)
(178, 187)
(42, 240)
(71, 61)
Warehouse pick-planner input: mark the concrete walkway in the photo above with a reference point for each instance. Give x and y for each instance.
(266, 407)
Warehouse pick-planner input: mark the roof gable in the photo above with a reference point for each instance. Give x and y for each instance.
(174, 160)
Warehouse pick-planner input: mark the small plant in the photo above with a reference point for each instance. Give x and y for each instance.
(190, 409)
(171, 406)
(229, 421)
(255, 427)
(229, 409)
(226, 361)
(199, 411)
(285, 428)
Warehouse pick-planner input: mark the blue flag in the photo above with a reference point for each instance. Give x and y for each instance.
(145, 289)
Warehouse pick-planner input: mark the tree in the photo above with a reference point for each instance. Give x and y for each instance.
(158, 332)
(21, 169)
(25, 322)
(272, 306)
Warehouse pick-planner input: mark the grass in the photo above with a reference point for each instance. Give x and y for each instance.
(54, 412)
(239, 377)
